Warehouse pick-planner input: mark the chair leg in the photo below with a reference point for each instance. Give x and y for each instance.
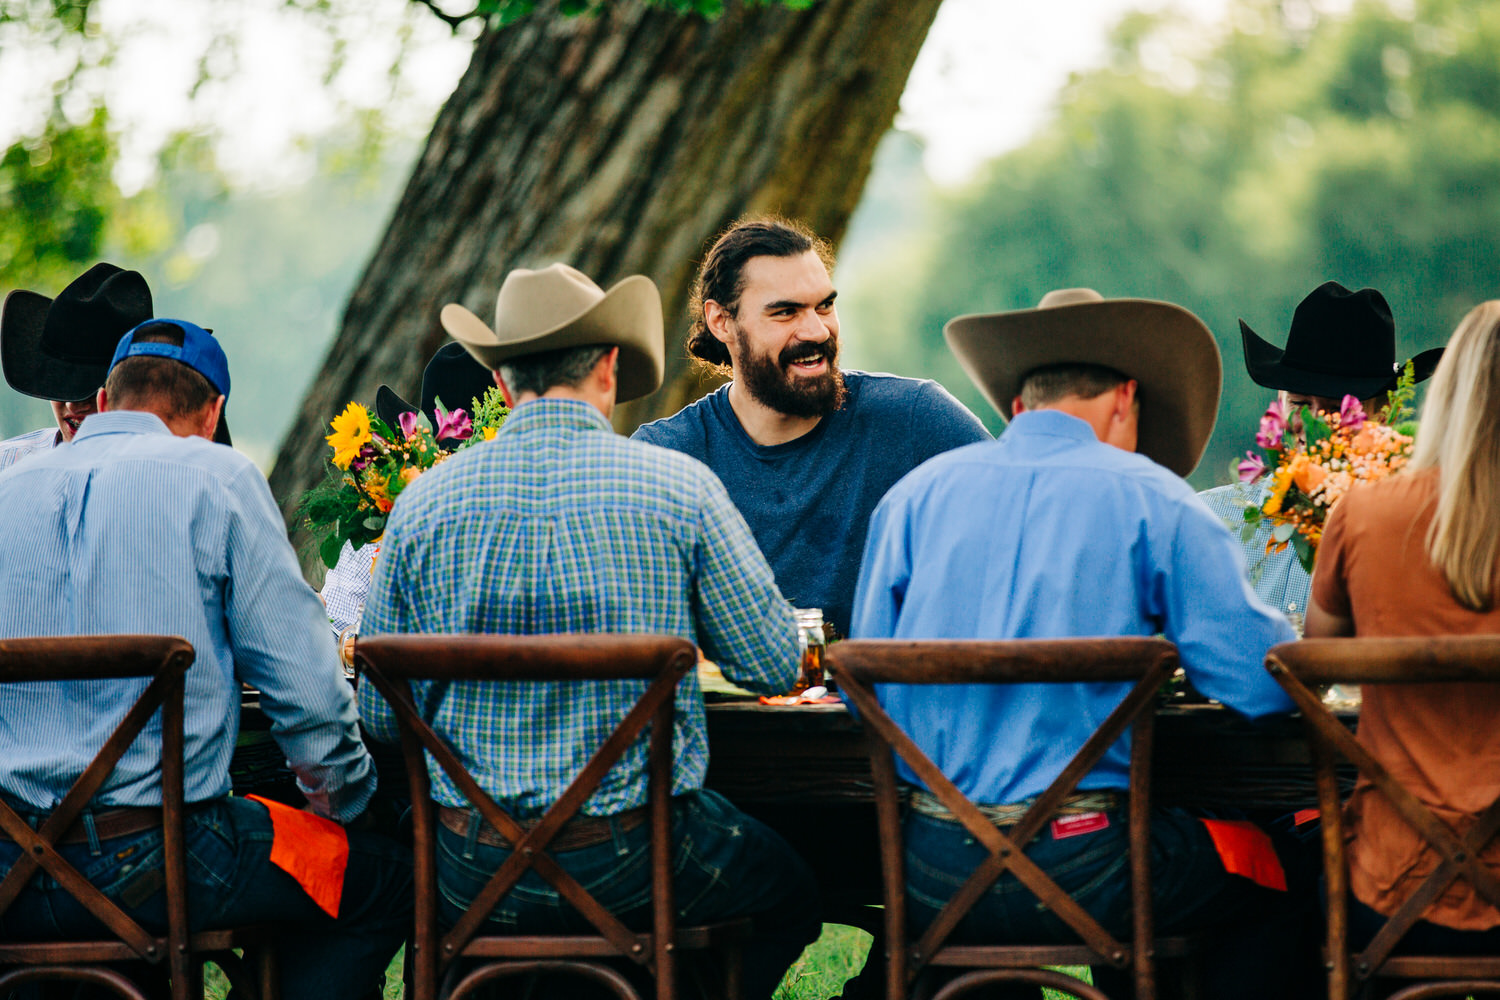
(734, 971)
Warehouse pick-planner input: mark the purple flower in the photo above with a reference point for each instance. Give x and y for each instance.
(453, 424)
(408, 423)
(1251, 467)
(1351, 414)
(1272, 426)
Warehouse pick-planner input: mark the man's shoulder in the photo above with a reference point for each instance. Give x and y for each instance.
(12, 450)
(879, 391)
(652, 467)
(687, 429)
(919, 407)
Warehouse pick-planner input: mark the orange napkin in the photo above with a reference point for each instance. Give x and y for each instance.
(797, 699)
(311, 849)
(1246, 850)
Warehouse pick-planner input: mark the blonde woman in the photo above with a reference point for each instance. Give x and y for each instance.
(1419, 554)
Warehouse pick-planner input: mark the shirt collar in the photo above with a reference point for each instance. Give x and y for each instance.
(1053, 423)
(120, 422)
(546, 414)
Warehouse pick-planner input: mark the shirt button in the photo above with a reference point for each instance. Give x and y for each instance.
(1291, 606)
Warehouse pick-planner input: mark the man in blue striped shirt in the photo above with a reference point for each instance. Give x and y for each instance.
(560, 525)
(138, 526)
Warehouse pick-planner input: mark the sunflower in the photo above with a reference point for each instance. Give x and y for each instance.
(351, 432)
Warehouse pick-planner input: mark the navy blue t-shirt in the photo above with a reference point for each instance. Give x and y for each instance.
(808, 501)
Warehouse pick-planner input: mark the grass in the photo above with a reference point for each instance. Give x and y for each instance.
(840, 953)
(826, 964)
(819, 974)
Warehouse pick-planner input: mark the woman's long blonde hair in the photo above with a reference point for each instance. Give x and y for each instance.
(1460, 436)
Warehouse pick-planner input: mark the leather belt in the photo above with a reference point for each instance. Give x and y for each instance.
(108, 824)
(578, 832)
(1010, 813)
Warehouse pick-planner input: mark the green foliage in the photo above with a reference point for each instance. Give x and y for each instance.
(56, 198)
(1232, 178)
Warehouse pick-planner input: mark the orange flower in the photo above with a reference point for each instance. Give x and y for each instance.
(1308, 475)
(1366, 441)
(383, 505)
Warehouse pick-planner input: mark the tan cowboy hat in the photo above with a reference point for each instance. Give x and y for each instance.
(1165, 348)
(559, 307)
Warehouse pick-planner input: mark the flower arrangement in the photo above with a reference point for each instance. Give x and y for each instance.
(373, 462)
(1309, 473)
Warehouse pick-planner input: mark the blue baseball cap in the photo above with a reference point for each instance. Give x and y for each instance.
(199, 351)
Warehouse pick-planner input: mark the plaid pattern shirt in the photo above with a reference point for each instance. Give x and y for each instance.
(561, 525)
(1278, 577)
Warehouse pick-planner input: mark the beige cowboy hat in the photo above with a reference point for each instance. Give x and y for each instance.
(559, 306)
(1165, 348)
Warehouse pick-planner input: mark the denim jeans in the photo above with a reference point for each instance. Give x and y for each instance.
(1259, 944)
(725, 864)
(232, 882)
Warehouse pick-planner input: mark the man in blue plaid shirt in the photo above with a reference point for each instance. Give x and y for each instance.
(561, 525)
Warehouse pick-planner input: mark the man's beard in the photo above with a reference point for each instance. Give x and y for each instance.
(769, 381)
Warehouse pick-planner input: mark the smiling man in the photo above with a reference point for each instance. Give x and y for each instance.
(59, 349)
(806, 450)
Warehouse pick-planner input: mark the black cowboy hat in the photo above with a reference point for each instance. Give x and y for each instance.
(1340, 343)
(451, 376)
(60, 349)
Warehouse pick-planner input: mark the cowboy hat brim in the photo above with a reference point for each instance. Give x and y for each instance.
(1166, 349)
(628, 317)
(27, 369)
(389, 405)
(1267, 367)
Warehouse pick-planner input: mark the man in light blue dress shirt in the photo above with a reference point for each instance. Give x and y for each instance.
(1076, 522)
(1341, 343)
(141, 526)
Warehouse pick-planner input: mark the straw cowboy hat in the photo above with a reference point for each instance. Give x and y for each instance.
(559, 307)
(1340, 343)
(1165, 348)
(60, 349)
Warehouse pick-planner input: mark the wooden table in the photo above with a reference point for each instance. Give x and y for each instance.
(1206, 757)
(803, 770)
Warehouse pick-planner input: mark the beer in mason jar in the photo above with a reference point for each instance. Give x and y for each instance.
(811, 639)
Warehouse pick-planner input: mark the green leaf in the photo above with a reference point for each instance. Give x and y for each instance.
(1304, 549)
(1314, 427)
(1252, 515)
(1284, 531)
(1248, 532)
(376, 523)
(332, 546)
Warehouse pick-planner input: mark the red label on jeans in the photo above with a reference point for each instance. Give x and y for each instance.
(1073, 826)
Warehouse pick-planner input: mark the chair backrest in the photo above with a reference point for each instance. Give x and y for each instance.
(1449, 659)
(860, 664)
(165, 660)
(392, 662)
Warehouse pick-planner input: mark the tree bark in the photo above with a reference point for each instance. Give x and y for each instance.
(620, 144)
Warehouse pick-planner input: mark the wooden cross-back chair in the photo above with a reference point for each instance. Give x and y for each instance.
(392, 662)
(860, 664)
(165, 660)
(1458, 659)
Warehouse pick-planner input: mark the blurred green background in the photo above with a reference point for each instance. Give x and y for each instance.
(1229, 167)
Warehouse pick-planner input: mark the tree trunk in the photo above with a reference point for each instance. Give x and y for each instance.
(620, 144)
